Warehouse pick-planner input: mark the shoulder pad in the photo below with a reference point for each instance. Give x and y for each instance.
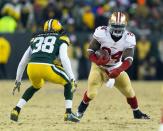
(65, 38)
(100, 31)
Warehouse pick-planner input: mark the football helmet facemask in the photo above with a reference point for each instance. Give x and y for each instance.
(117, 23)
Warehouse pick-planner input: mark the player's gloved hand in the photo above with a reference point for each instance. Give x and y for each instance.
(74, 85)
(99, 60)
(114, 73)
(17, 86)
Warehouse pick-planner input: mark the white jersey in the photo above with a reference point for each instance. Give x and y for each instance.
(115, 49)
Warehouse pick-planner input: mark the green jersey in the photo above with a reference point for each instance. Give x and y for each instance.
(45, 47)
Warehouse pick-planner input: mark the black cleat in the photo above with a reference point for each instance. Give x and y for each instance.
(14, 115)
(139, 115)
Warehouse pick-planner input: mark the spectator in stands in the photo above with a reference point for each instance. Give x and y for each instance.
(8, 21)
(88, 19)
(101, 19)
(4, 56)
(26, 15)
(38, 7)
(160, 60)
(52, 11)
(84, 63)
(143, 48)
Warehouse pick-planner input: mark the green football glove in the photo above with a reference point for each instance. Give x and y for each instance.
(17, 86)
(74, 86)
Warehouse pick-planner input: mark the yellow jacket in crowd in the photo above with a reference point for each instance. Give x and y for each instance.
(5, 50)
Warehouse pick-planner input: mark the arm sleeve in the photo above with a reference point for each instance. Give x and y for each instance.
(23, 63)
(65, 60)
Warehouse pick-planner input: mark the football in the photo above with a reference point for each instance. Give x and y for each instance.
(102, 53)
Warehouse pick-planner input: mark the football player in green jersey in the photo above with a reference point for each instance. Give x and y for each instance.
(44, 48)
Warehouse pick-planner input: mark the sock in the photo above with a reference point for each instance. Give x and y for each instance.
(84, 104)
(82, 107)
(68, 110)
(29, 93)
(162, 120)
(133, 103)
(86, 99)
(67, 92)
(68, 105)
(68, 97)
(21, 103)
(17, 109)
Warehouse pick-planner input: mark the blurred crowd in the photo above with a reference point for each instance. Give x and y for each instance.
(81, 17)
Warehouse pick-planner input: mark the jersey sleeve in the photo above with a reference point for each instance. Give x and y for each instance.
(23, 63)
(66, 61)
(99, 33)
(65, 39)
(130, 40)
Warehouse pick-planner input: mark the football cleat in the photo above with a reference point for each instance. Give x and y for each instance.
(14, 115)
(71, 117)
(79, 115)
(139, 115)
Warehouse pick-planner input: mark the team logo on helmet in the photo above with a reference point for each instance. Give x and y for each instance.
(53, 25)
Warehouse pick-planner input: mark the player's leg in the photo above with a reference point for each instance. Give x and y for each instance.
(91, 92)
(58, 76)
(123, 83)
(34, 73)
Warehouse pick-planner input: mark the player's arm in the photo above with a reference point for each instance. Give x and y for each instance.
(21, 67)
(127, 59)
(126, 63)
(23, 63)
(67, 64)
(93, 47)
(128, 55)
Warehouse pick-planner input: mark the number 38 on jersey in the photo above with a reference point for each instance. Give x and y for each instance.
(44, 44)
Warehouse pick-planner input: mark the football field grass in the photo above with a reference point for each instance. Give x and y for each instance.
(109, 111)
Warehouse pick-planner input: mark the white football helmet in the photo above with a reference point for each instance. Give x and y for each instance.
(117, 23)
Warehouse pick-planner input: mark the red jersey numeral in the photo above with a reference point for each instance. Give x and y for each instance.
(115, 56)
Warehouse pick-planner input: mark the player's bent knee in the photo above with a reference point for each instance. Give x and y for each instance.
(36, 86)
(92, 95)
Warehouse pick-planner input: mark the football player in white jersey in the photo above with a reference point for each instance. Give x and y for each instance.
(119, 45)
